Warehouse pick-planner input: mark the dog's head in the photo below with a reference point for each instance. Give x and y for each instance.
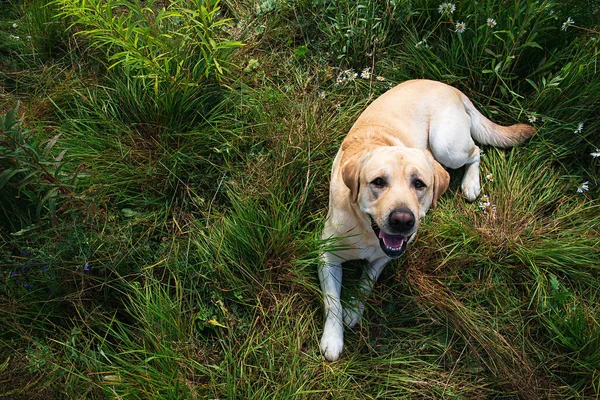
(394, 187)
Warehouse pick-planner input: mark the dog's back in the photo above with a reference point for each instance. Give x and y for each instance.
(415, 105)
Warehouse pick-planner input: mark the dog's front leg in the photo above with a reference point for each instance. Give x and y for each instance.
(330, 275)
(354, 312)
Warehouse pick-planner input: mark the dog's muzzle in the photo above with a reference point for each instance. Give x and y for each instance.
(392, 245)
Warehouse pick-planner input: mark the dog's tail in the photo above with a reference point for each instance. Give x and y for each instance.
(485, 131)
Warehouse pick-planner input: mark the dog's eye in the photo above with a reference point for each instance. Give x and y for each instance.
(419, 184)
(379, 182)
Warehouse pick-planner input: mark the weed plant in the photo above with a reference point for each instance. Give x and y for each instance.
(163, 188)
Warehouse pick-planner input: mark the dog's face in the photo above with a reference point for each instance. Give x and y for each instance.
(394, 187)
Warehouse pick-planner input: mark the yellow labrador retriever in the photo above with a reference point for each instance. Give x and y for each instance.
(385, 177)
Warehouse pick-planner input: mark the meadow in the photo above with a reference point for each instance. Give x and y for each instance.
(164, 170)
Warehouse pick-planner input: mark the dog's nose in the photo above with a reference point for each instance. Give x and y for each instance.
(401, 221)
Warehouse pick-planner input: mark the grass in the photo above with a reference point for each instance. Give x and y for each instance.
(163, 187)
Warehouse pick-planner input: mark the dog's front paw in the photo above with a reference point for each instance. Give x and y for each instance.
(471, 189)
(332, 342)
(353, 313)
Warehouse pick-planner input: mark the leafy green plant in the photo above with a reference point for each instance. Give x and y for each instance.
(29, 170)
(165, 64)
(180, 44)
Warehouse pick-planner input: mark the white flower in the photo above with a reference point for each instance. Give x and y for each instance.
(14, 25)
(491, 22)
(532, 119)
(567, 23)
(321, 94)
(579, 128)
(422, 43)
(486, 206)
(338, 107)
(369, 55)
(380, 78)
(345, 76)
(484, 202)
(490, 177)
(13, 37)
(595, 154)
(585, 186)
(446, 8)
(460, 27)
(366, 73)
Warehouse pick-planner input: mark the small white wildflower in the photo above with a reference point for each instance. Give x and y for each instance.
(486, 206)
(366, 73)
(491, 22)
(380, 78)
(14, 25)
(585, 186)
(422, 43)
(579, 128)
(460, 27)
(338, 107)
(484, 202)
(446, 8)
(595, 154)
(321, 94)
(13, 37)
(532, 119)
(369, 55)
(567, 23)
(345, 76)
(490, 177)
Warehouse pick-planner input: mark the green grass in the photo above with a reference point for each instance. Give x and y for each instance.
(162, 192)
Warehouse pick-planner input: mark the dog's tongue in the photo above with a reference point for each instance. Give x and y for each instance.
(393, 241)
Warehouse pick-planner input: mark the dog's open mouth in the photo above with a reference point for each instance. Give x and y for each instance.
(392, 245)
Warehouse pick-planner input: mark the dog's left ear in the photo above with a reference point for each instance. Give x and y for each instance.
(441, 180)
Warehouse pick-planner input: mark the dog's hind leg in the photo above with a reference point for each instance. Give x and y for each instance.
(330, 275)
(452, 146)
(354, 312)
(470, 184)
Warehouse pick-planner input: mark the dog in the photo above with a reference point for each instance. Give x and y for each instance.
(386, 175)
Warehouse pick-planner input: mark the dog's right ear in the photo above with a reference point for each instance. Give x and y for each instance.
(441, 181)
(351, 176)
